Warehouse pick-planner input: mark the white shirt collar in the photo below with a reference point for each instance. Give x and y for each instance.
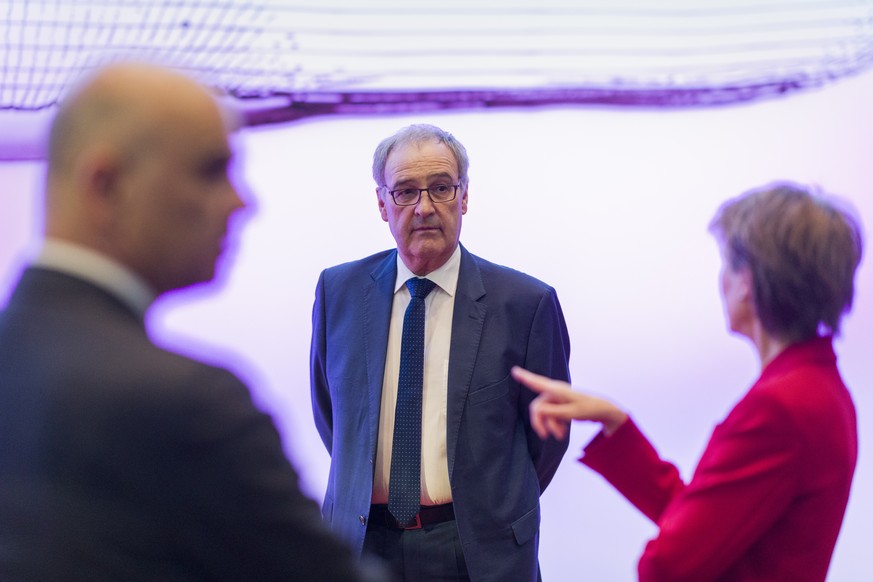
(96, 268)
(446, 277)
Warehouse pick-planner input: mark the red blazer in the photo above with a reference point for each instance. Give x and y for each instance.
(767, 499)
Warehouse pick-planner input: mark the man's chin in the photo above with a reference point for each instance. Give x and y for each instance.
(427, 247)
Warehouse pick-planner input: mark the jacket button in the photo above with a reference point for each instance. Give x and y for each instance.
(363, 519)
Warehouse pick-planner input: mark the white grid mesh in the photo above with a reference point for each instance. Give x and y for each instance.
(329, 56)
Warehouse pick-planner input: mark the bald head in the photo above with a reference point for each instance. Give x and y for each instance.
(137, 156)
(120, 107)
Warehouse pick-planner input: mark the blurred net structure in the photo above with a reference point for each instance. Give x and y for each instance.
(286, 59)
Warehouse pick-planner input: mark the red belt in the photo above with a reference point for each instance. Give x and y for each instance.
(427, 515)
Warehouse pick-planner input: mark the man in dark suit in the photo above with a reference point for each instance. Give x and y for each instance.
(481, 468)
(120, 460)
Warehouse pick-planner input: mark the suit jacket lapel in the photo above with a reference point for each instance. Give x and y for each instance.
(378, 298)
(467, 323)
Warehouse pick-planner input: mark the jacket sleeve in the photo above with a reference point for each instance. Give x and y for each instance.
(744, 481)
(629, 463)
(548, 353)
(322, 406)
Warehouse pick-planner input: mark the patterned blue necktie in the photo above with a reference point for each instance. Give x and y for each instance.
(404, 489)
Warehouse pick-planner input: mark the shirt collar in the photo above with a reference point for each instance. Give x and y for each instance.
(446, 277)
(98, 269)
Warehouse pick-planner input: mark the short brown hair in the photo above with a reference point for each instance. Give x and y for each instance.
(802, 249)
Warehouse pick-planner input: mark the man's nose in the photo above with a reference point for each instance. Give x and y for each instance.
(425, 204)
(238, 194)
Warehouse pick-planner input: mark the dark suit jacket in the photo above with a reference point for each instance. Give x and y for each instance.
(497, 465)
(767, 499)
(121, 461)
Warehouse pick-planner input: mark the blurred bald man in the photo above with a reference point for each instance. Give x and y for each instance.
(119, 460)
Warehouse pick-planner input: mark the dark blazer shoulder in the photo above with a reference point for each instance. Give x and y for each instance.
(495, 276)
(372, 265)
(101, 346)
(46, 289)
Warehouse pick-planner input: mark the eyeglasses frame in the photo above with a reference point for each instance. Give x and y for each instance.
(421, 191)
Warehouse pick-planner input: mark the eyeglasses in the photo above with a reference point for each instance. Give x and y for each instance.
(438, 194)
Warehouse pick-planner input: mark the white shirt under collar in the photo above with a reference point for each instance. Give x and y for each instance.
(446, 277)
(97, 268)
(439, 309)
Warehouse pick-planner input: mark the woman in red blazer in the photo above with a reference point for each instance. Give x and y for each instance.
(768, 496)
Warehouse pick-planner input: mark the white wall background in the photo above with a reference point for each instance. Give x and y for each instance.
(610, 206)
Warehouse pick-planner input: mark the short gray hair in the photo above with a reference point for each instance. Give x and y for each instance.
(415, 134)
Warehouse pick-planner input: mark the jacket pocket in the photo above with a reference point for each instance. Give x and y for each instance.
(526, 527)
(490, 392)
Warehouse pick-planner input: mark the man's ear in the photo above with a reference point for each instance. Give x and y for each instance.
(97, 173)
(464, 199)
(382, 209)
(98, 176)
